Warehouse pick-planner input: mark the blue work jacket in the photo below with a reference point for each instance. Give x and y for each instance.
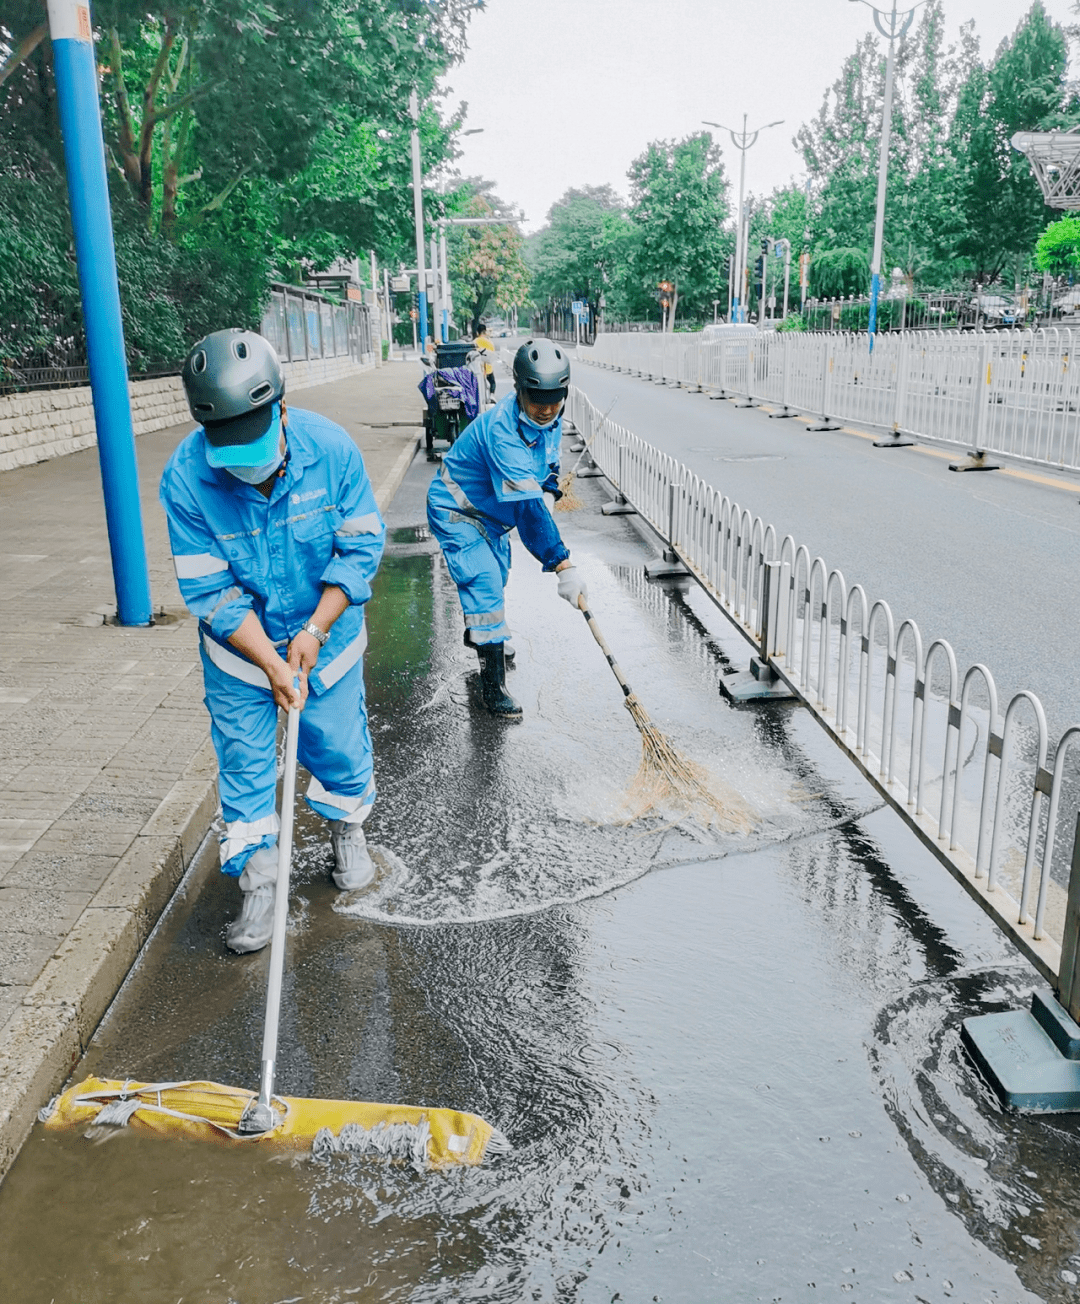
(498, 471)
(236, 551)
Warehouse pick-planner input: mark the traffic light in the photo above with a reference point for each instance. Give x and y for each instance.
(759, 273)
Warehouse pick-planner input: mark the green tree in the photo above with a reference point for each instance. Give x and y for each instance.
(1023, 90)
(1058, 248)
(486, 263)
(584, 251)
(255, 140)
(837, 273)
(679, 204)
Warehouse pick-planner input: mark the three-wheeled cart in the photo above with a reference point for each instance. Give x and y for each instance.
(452, 391)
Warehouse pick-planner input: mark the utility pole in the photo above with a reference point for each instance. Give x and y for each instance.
(742, 141)
(892, 25)
(76, 76)
(418, 217)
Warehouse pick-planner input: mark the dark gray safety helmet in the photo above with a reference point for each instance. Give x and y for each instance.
(542, 368)
(230, 374)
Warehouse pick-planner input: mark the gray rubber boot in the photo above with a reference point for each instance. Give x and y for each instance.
(253, 926)
(493, 682)
(354, 868)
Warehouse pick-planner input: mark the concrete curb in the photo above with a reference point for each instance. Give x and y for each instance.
(48, 1034)
(58, 1016)
(392, 483)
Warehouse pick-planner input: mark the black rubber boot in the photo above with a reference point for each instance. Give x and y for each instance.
(509, 651)
(493, 681)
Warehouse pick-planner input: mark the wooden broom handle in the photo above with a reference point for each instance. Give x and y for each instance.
(595, 628)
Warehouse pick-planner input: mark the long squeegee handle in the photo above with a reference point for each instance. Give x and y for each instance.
(602, 641)
(281, 910)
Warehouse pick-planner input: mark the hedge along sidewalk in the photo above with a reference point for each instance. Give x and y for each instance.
(107, 775)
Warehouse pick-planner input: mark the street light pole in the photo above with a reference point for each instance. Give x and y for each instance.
(742, 140)
(892, 25)
(418, 218)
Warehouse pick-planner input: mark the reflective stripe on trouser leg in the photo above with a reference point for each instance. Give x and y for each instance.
(335, 745)
(479, 565)
(243, 726)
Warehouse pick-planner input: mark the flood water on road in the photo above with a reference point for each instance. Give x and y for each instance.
(729, 1066)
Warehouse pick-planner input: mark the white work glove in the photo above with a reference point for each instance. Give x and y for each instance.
(549, 501)
(572, 586)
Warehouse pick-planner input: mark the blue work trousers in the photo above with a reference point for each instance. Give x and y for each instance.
(334, 745)
(478, 560)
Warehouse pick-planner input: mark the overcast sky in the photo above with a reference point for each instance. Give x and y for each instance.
(568, 92)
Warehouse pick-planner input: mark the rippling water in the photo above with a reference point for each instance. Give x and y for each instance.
(729, 1067)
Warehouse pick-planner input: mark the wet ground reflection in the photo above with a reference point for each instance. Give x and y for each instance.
(728, 1067)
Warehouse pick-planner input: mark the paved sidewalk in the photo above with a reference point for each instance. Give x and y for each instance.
(107, 776)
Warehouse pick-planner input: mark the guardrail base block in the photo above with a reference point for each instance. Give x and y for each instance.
(895, 440)
(577, 448)
(757, 684)
(589, 472)
(825, 424)
(747, 403)
(976, 462)
(620, 507)
(1031, 1059)
(716, 397)
(779, 416)
(666, 567)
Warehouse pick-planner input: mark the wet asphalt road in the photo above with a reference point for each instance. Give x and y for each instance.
(729, 1066)
(985, 560)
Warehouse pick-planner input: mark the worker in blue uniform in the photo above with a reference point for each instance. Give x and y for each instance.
(502, 473)
(276, 537)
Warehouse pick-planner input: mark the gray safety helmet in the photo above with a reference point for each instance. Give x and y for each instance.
(542, 369)
(230, 374)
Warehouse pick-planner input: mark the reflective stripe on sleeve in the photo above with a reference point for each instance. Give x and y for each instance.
(521, 486)
(456, 491)
(369, 524)
(193, 566)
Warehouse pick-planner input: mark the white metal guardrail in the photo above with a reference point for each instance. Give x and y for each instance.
(1011, 392)
(978, 786)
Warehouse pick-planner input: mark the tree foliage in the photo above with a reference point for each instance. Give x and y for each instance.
(678, 202)
(486, 263)
(584, 250)
(961, 205)
(1058, 248)
(244, 141)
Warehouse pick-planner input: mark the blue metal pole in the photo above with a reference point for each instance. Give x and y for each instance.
(875, 291)
(423, 321)
(88, 195)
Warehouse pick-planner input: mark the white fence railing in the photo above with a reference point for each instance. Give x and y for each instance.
(1011, 392)
(977, 785)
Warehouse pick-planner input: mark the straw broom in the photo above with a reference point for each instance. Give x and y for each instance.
(570, 502)
(665, 778)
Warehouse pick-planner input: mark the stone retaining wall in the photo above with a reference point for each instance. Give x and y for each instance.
(47, 423)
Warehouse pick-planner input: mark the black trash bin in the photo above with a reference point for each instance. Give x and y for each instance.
(454, 353)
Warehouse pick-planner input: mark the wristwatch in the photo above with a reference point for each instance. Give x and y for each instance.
(320, 635)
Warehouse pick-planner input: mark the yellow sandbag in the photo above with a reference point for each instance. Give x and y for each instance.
(207, 1111)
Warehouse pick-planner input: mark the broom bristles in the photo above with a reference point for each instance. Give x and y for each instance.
(665, 779)
(569, 502)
